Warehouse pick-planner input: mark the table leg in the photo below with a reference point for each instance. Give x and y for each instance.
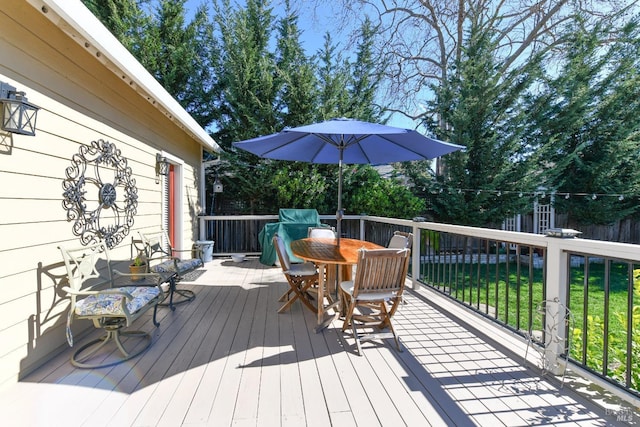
(322, 270)
(324, 291)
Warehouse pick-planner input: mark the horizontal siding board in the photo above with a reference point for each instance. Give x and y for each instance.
(81, 101)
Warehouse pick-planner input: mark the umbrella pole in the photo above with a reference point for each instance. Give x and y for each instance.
(339, 211)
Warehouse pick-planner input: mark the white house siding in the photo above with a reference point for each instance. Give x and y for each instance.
(81, 101)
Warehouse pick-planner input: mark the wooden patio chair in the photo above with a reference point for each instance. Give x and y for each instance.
(111, 303)
(162, 258)
(401, 240)
(300, 277)
(322, 232)
(379, 280)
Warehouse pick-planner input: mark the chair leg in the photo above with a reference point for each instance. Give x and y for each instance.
(387, 321)
(299, 291)
(381, 320)
(355, 335)
(81, 358)
(347, 317)
(186, 294)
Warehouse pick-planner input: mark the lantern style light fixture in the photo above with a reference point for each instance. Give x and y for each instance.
(18, 114)
(162, 167)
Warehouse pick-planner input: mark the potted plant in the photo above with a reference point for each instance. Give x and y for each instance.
(138, 266)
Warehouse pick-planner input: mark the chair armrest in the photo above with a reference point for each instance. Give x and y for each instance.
(71, 291)
(102, 292)
(179, 251)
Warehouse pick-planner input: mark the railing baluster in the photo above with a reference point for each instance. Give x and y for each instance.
(446, 261)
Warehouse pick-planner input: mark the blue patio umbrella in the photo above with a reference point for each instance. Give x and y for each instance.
(341, 141)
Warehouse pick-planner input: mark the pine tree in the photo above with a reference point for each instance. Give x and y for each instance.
(586, 125)
(480, 108)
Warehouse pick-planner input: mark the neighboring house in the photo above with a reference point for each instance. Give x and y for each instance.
(89, 88)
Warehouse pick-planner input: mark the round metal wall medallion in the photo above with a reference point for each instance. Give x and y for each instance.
(100, 196)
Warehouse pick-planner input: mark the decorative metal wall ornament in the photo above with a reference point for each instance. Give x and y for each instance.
(99, 194)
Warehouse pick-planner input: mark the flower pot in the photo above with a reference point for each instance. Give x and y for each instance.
(136, 271)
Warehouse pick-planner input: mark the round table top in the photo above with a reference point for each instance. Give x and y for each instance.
(326, 250)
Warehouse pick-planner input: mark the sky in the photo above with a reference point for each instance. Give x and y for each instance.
(312, 21)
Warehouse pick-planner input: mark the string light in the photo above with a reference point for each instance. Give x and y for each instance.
(535, 194)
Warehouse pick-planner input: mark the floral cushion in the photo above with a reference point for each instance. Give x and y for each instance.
(183, 265)
(110, 304)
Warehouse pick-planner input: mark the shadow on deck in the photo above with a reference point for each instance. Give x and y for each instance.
(227, 358)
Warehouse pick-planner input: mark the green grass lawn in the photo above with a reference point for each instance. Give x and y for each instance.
(507, 291)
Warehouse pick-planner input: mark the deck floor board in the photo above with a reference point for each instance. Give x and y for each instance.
(228, 358)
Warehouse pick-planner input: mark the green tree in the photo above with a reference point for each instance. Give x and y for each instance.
(176, 53)
(127, 21)
(181, 59)
(296, 80)
(480, 108)
(365, 77)
(333, 75)
(247, 97)
(372, 194)
(586, 124)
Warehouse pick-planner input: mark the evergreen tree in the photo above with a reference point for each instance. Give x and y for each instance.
(333, 75)
(181, 58)
(176, 53)
(295, 77)
(365, 78)
(127, 21)
(247, 97)
(297, 184)
(586, 126)
(480, 108)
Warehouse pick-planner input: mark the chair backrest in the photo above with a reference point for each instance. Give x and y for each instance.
(401, 240)
(157, 245)
(281, 250)
(82, 265)
(322, 232)
(381, 271)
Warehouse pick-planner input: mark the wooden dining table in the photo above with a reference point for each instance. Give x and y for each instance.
(335, 263)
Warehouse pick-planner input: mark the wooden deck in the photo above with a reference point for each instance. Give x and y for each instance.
(227, 358)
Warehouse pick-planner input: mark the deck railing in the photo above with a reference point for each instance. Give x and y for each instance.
(503, 275)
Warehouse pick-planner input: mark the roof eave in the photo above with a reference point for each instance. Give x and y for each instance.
(72, 17)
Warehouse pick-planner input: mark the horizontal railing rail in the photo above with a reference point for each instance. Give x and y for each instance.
(503, 275)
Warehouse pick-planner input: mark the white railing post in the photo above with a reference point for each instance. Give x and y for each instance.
(202, 225)
(362, 228)
(556, 290)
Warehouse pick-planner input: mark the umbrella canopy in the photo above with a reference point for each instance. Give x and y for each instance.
(352, 141)
(347, 141)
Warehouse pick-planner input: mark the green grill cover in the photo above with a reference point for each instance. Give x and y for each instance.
(293, 224)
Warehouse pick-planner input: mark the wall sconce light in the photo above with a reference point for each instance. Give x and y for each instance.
(162, 167)
(18, 114)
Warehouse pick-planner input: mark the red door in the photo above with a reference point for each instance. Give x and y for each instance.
(171, 206)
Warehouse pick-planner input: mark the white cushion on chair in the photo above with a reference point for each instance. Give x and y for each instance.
(347, 287)
(169, 266)
(304, 269)
(109, 304)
